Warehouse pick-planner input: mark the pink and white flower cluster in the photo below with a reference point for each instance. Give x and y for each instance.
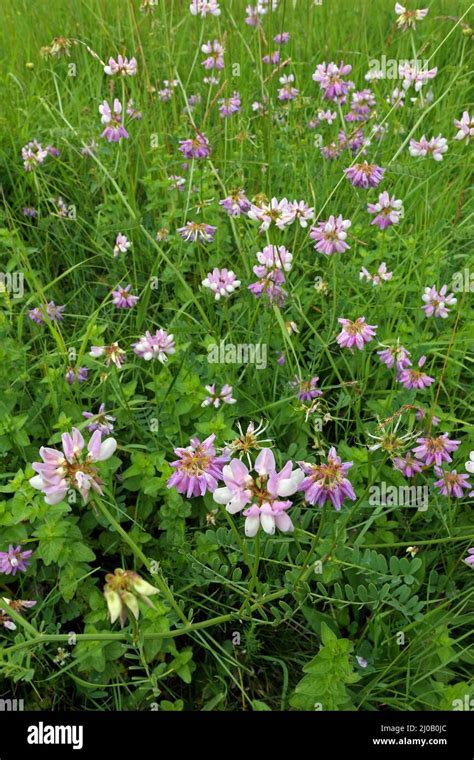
(264, 494)
(72, 468)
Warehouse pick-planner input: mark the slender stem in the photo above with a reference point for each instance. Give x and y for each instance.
(158, 578)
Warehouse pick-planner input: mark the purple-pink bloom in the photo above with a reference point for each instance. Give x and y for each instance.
(76, 375)
(236, 203)
(465, 127)
(407, 19)
(364, 175)
(198, 468)
(112, 118)
(276, 211)
(435, 147)
(195, 147)
(413, 379)
(113, 354)
(435, 449)
(229, 106)
(469, 560)
(194, 232)
(356, 333)
(436, 302)
(263, 495)
(451, 483)
(327, 482)
(215, 55)
(307, 390)
(14, 559)
(100, 421)
(388, 210)
(121, 66)
(122, 297)
(204, 7)
(30, 212)
(381, 275)
(395, 356)
(288, 91)
(33, 154)
(122, 244)
(331, 82)
(273, 261)
(222, 282)
(331, 236)
(157, 346)
(407, 465)
(282, 38)
(216, 398)
(55, 313)
(71, 468)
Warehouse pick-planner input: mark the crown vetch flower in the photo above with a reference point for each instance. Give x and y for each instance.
(469, 560)
(388, 210)
(395, 355)
(198, 468)
(121, 66)
(76, 375)
(330, 80)
(307, 390)
(122, 244)
(356, 333)
(273, 261)
(331, 236)
(216, 399)
(435, 449)
(72, 467)
(435, 147)
(113, 354)
(229, 106)
(123, 299)
(465, 127)
(222, 282)
(407, 465)
(413, 378)
(288, 91)
(195, 232)
(100, 421)
(123, 590)
(156, 346)
(215, 55)
(470, 463)
(204, 7)
(55, 313)
(364, 175)
(327, 482)
(407, 19)
(6, 621)
(436, 302)
(264, 495)
(276, 211)
(298, 210)
(112, 118)
(195, 147)
(236, 203)
(451, 483)
(33, 154)
(381, 275)
(14, 559)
